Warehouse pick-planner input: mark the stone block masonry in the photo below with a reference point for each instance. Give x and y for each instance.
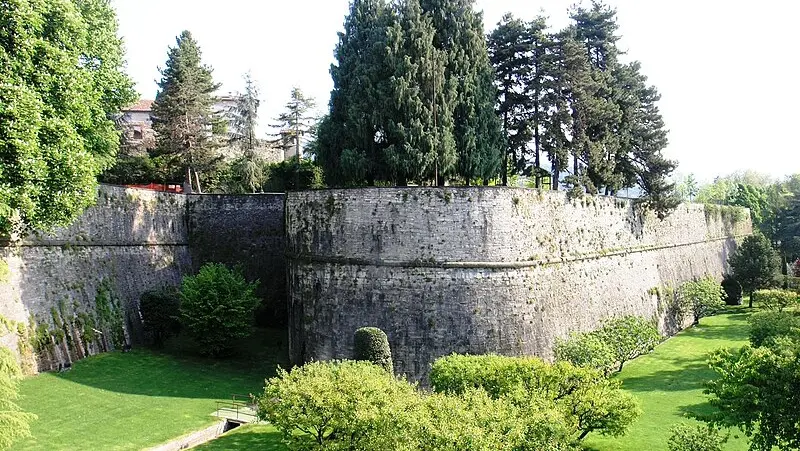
(476, 270)
(75, 292)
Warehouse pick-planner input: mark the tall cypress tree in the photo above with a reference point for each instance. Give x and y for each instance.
(352, 137)
(182, 115)
(419, 125)
(477, 133)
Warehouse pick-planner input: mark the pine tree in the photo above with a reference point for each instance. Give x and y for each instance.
(296, 121)
(247, 169)
(182, 114)
(510, 50)
(244, 117)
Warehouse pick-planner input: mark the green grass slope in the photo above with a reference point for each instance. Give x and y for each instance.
(669, 384)
(130, 401)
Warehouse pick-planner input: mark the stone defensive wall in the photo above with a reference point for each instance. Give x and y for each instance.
(75, 292)
(477, 270)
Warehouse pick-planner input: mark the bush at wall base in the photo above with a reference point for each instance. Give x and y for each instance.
(372, 345)
(217, 307)
(160, 311)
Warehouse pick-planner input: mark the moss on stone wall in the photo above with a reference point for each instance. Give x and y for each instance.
(5, 272)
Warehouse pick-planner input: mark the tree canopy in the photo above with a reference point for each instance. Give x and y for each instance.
(182, 115)
(61, 83)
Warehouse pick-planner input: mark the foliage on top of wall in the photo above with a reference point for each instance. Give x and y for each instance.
(726, 213)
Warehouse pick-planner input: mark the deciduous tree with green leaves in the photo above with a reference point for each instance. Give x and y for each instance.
(702, 297)
(15, 424)
(61, 83)
(755, 264)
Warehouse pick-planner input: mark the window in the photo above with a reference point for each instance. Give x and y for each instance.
(137, 133)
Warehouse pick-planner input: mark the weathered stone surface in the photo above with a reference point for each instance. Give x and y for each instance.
(131, 241)
(477, 270)
(248, 231)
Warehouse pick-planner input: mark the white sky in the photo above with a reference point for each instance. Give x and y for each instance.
(726, 69)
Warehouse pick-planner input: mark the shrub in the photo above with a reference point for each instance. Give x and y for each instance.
(588, 400)
(754, 264)
(733, 290)
(756, 390)
(372, 345)
(160, 311)
(686, 437)
(14, 423)
(765, 327)
(629, 337)
(587, 350)
(776, 299)
(702, 298)
(217, 307)
(476, 421)
(340, 406)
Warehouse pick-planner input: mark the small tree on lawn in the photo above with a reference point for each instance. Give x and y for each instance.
(217, 307)
(629, 337)
(756, 390)
(702, 298)
(754, 264)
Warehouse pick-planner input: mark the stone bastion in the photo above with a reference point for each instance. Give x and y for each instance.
(477, 270)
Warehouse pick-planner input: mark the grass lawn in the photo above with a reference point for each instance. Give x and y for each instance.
(129, 401)
(263, 438)
(669, 384)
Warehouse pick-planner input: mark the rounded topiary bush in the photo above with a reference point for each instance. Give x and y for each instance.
(372, 345)
(733, 290)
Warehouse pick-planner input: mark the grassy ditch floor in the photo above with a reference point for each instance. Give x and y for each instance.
(260, 437)
(130, 401)
(669, 384)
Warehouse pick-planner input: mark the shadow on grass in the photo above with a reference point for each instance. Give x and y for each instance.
(249, 438)
(692, 371)
(174, 372)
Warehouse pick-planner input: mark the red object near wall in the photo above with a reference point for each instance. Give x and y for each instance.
(167, 188)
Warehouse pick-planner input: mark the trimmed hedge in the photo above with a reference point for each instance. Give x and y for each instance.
(372, 345)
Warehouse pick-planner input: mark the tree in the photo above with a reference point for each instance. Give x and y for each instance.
(588, 400)
(160, 310)
(247, 168)
(296, 122)
(687, 188)
(61, 82)
(217, 307)
(588, 350)
(758, 391)
(182, 115)
(629, 337)
(754, 264)
(702, 297)
(16, 423)
(418, 126)
(469, 76)
(340, 405)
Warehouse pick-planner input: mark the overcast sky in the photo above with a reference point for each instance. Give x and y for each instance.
(727, 70)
